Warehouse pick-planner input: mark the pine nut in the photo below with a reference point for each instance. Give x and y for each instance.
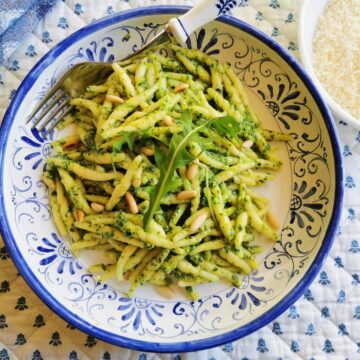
(181, 87)
(186, 194)
(127, 275)
(198, 222)
(99, 168)
(165, 291)
(97, 207)
(131, 202)
(248, 144)
(114, 99)
(272, 220)
(147, 151)
(79, 215)
(168, 120)
(192, 171)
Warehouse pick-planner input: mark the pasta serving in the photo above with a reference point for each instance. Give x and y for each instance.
(160, 173)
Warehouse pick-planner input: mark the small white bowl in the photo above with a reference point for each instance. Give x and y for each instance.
(310, 13)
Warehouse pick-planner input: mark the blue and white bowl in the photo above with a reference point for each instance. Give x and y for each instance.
(306, 195)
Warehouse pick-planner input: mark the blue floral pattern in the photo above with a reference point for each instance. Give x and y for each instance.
(31, 51)
(310, 329)
(78, 9)
(53, 248)
(225, 6)
(262, 347)
(324, 280)
(290, 18)
(328, 348)
(341, 297)
(294, 346)
(308, 295)
(349, 182)
(293, 313)
(277, 328)
(259, 16)
(357, 313)
(39, 149)
(355, 248)
(62, 24)
(292, 46)
(46, 37)
(325, 312)
(135, 311)
(14, 66)
(351, 214)
(342, 329)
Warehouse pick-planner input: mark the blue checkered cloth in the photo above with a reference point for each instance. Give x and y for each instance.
(18, 19)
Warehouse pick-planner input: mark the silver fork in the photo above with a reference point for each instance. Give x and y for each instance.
(56, 104)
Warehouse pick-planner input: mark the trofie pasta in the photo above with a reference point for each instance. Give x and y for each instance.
(160, 173)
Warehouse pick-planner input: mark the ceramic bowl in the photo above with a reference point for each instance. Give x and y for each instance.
(310, 13)
(306, 195)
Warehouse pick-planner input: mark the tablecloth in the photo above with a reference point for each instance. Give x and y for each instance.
(17, 19)
(323, 324)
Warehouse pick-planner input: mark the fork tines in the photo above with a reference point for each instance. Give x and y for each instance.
(54, 107)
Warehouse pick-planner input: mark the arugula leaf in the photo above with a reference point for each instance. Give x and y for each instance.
(226, 126)
(231, 128)
(208, 195)
(178, 156)
(175, 181)
(127, 138)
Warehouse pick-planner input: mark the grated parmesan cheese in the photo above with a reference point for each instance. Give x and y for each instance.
(336, 53)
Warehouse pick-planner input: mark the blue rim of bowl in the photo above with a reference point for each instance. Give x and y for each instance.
(187, 346)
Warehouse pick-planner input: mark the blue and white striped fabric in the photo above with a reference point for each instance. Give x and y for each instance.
(323, 324)
(18, 19)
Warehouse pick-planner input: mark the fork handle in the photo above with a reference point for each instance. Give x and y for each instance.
(202, 13)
